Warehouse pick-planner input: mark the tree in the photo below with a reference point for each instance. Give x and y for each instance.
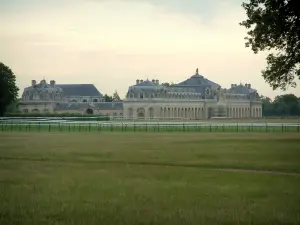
(116, 97)
(8, 88)
(165, 84)
(275, 25)
(13, 107)
(287, 105)
(108, 98)
(267, 106)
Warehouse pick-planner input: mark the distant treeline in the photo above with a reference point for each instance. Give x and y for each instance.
(282, 106)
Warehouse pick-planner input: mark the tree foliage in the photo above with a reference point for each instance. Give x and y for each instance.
(108, 98)
(283, 105)
(116, 97)
(8, 88)
(166, 84)
(275, 25)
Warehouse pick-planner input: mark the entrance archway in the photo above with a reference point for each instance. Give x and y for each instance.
(89, 111)
(141, 113)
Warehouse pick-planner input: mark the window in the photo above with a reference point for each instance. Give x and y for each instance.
(95, 100)
(84, 100)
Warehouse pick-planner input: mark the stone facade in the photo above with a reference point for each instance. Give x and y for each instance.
(194, 98)
(67, 98)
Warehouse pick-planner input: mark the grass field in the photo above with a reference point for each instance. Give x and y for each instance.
(149, 178)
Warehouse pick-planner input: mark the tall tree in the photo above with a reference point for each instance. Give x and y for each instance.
(267, 106)
(8, 88)
(116, 97)
(287, 105)
(108, 98)
(275, 25)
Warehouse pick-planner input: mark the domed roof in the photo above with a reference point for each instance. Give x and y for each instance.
(43, 85)
(241, 89)
(197, 80)
(43, 91)
(146, 85)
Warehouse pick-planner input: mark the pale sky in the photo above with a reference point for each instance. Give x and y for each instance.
(111, 43)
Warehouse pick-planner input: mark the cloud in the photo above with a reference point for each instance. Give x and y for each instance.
(111, 43)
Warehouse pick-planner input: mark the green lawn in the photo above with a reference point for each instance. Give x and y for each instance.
(149, 178)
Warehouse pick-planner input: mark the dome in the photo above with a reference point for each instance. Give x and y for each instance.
(200, 84)
(43, 92)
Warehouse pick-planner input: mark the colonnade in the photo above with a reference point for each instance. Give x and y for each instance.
(244, 112)
(191, 112)
(183, 112)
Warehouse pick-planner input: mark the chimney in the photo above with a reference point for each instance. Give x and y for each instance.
(232, 85)
(141, 81)
(249, 85)
(153, 81)
(157, 81)
(137, 81)
(52, 82)
(33, 82)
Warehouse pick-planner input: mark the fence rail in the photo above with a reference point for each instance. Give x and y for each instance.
(146, 127)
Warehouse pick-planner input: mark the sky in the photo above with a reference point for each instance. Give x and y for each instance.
(111, 43)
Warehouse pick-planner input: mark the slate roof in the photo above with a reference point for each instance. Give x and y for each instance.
(79, 89)
(146, 83)
(241, 89)
(197, 80)
(96, 105)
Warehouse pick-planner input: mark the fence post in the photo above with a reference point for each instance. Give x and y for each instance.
(49, 127)
(111, 127)
(267, 127)
(237, 127)
(157, 127)
(134, 126)
(146, 127)
(89, 127)
(69, 127)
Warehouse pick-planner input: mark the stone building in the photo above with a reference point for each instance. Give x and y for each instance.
(195, 98)
(67, 98)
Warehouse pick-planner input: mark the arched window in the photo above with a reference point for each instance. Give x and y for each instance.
(95, 100)
(84, 100)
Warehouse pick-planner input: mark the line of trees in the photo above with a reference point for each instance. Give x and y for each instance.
(114, 98)
(282, 105)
